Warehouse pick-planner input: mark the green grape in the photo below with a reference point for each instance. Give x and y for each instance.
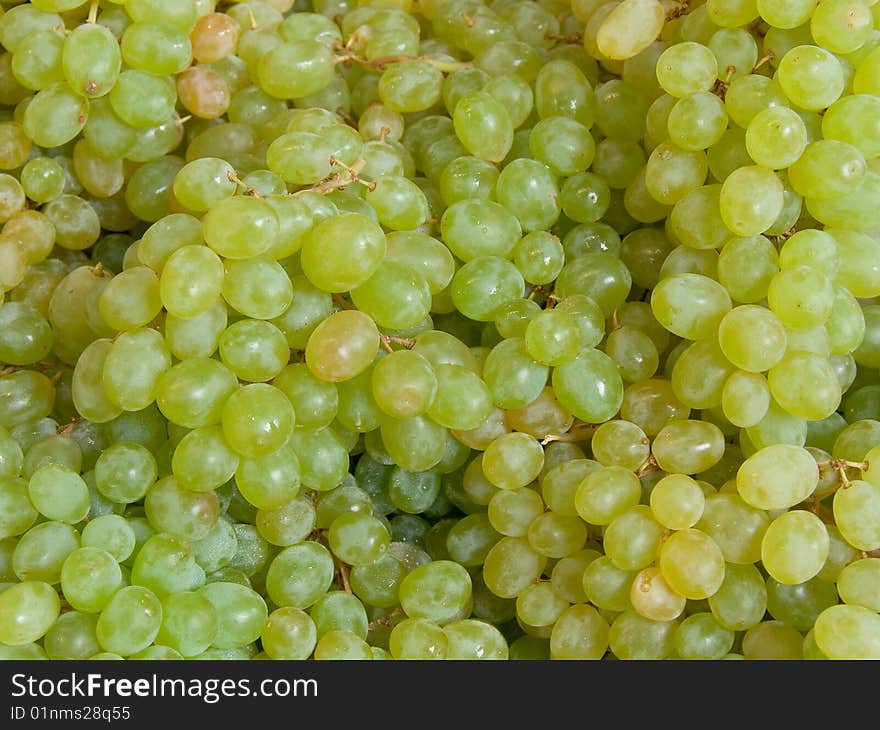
(286, 525)
(701, 636)
(483, 284)
(841, 26)
(55, 115)
(59, 493)
(483, 126)
(686, 68)
(652, 598)
(510, 512)
(606, 493)
(357, 538)
(299, 575)
(692, 563)
(620, 443)
(135, 362)
(752, 338)
(474, 228)
(632, 636)
(410, 86)
(36, 64)
(28, 610)
(690, 305)
(189, 623)
(241, 613)
(72, 636)
(745, 398)
(181, 512)
(475, 639)
(295, 69)
(697, 121)
(671, 172)
(42, 179)
(810, 77)
(356, 248)
(741, 601)
(395, 296)
(462, 400)
(801, 297)
(855, 269)
(805, 385)
(89, 579)
(203, 460)
(111, 533)
(751, 94)
(563, 144)
(130, 621)
(794, 547)
(677, 502)
(255, 350)
(257, 419)
(18, 513)
(695, 219)
(240, 227)
(688, 446)
(854, 507)
(528, 189)
(124, 471)
(847, 632)
(377, 583)
(856, 583)
(799, 604)
(91, 60)
(257, 287)
(777, 477)
(751, 199)
(418, 638)
(632, 538)
(776, 137)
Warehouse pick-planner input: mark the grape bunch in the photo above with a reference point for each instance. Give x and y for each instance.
(440, 329)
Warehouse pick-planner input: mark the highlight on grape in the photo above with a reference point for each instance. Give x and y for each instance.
(440, 329)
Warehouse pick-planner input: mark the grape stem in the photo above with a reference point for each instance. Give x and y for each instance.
(578, 432)
(248, 190)
(341, 302)
(649, 465)
(721, 85)
(841, 465)
(383, 62)
(343, 179)
(93, 12)
(550, 299)
(677, 10)
(42, 366)
(388, 340)
(67, 428)
(343, 576)
(385, 620)
(573, 38)
(766, 58)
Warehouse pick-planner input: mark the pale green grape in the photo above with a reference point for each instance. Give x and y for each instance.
(811, 77)
(28, 610)
(752, 338)
(777, 477)
(794, 547)
(59, 493)
(848, 632)
(241, 613)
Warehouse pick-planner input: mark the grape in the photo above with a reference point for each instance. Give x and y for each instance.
(373, 331)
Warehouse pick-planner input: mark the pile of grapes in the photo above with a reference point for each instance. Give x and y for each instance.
(425, 329)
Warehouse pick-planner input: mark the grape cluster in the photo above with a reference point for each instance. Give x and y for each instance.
(464, 329)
